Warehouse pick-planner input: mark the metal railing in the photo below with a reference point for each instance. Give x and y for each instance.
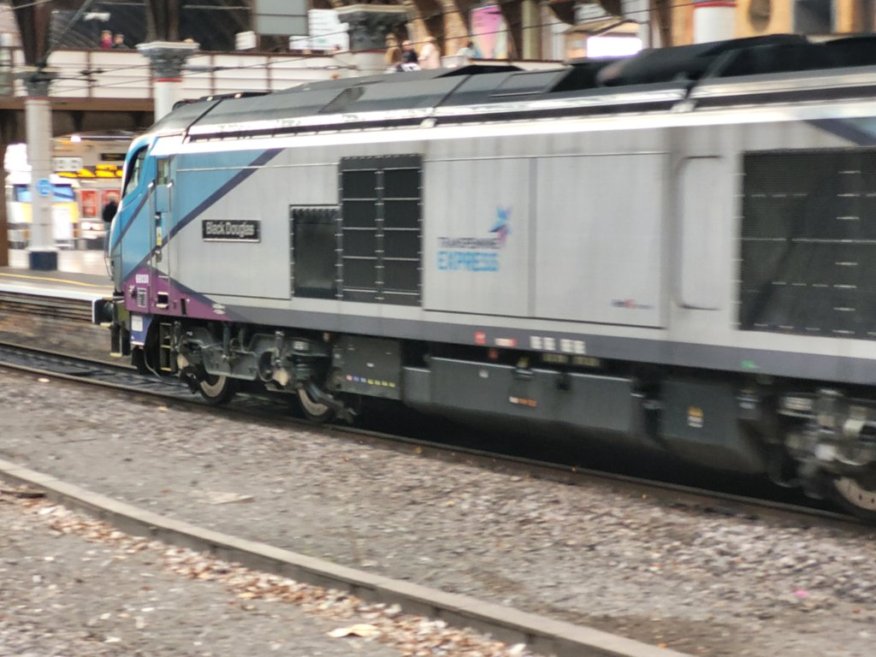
(126, 74)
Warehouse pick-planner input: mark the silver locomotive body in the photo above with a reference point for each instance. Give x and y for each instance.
(678, 266)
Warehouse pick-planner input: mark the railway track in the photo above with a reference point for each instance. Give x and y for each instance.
(38, 305)
(276, 412)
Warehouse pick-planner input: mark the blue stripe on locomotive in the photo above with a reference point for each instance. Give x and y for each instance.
(213, 175)
(218, 174)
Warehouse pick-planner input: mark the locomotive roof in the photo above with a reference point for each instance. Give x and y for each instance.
(739, 70)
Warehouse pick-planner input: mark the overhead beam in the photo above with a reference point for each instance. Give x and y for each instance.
(162, 20)
(456, 30)
(33, 21)
(417, 29)
(431, 13)
(661, 10)
(511, 11)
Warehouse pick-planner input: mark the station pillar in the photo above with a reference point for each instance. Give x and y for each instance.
(455, 30)
(369, 26)
(4, 219)
(167, 59)
(42, 254)
(530, 29)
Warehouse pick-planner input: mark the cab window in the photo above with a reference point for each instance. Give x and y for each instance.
(162, 175)
(134, 171)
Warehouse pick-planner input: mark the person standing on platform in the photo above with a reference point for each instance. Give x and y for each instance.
(430, 56)
(119, 42)
(468, 52)
(106, 40)
(109, 210)
(409, 60)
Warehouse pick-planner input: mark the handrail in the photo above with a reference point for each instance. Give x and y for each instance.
(94, 73)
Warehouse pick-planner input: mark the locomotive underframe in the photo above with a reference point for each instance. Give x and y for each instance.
(797, 432)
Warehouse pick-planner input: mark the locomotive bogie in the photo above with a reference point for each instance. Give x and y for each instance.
(196, 351)
(836, 433)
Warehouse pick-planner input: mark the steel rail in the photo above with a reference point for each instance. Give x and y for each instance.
(271, 412)
(24, 303)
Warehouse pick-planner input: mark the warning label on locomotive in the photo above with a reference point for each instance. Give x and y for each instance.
(231, 230)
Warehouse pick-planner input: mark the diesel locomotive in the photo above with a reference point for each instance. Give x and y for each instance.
(675, 251)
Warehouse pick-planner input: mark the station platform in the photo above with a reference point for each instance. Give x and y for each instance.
(80, 274)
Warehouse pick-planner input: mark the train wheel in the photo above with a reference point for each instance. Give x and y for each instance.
(858, 498)
(217, 389)
(313, 410)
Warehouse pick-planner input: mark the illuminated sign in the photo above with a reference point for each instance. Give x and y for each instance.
(99, 171)
(66, 164)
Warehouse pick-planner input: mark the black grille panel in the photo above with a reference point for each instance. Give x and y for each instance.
(381, 206)
(808, 243)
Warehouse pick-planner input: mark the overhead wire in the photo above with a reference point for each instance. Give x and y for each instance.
(35, 3)
(53, 43)
(145, 79)
(280, 58)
